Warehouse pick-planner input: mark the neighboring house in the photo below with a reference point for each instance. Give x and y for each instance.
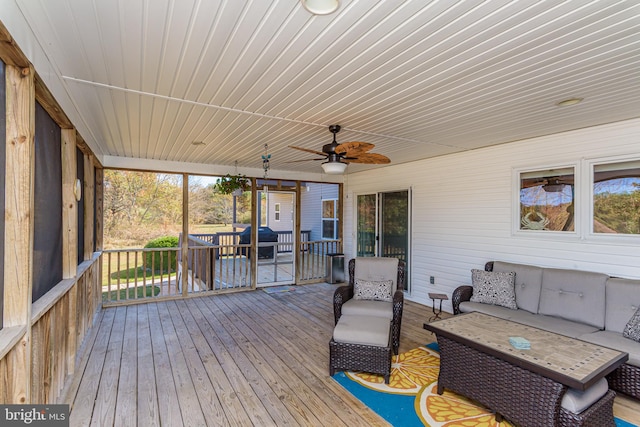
(280, 211)
(319, 210)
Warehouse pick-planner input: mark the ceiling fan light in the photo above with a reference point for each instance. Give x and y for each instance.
(333, 168)
(321, 7)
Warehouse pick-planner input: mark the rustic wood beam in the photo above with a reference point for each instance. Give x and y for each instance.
(10, 53)
(297, 250)
(19, 205)
(51, 106)
(88, 198)
(185, 235)
(69, 204)
(98, 214)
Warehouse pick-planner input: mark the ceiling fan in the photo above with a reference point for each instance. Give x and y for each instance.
(550, 184)
(337, 156)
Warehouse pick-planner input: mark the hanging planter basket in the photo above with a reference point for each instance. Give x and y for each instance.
(233, 184)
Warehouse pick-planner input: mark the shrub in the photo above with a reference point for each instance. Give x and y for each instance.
(152, 259)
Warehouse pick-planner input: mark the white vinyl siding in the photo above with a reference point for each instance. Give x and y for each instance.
(463, 209)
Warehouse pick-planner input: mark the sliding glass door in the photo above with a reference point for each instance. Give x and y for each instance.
(383, 226)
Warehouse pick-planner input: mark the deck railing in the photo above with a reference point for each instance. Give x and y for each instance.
(229, 239)
(314, 258)
(151, 273)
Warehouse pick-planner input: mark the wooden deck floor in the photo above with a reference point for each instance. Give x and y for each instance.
(248, 358)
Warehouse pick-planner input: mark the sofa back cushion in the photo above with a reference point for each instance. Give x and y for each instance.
(574, 295)
(528, 283)
(623, 299)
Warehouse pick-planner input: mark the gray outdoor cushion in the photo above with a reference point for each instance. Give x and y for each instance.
(368, 308)
(557, 325)
(574, 295)
(577, 401)
(623, 299)
(490, 309)
(377, 269)
(528, 282)
(615, 341)
(364, 330)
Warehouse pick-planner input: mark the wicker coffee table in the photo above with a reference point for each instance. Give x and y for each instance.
(524, 386)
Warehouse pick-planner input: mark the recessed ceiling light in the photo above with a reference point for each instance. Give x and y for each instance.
(197, 143)
(568, 102)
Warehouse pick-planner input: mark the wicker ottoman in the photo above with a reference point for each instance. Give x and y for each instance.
(600, 414)
(361, 343)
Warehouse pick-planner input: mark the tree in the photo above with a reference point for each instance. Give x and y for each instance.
(141, 205)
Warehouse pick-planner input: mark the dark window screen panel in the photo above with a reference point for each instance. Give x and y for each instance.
(3, 141)
(47, 239)
(80, 176)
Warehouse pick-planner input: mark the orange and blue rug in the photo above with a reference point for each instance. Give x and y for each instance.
(411, 398)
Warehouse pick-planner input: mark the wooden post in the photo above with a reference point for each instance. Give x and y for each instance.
(185, 234)
(297, 258)
(99, 183)
(69, 204)
(88, 198)
(341, 216)
(18, 254)
(255, 222)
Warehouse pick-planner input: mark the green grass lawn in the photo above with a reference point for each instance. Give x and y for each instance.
(131, 293)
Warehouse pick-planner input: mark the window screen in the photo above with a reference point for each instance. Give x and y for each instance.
(47, 239)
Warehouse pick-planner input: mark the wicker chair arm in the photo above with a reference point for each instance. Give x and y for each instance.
(341, 295)
(396, 321)
(460, 294)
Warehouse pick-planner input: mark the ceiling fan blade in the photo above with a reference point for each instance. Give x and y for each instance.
(371, 158)
(319, 153)
(354, 147)
(304, 160)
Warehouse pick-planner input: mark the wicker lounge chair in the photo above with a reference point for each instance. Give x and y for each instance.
(379, 318)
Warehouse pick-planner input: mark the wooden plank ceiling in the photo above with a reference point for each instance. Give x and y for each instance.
(417, 78)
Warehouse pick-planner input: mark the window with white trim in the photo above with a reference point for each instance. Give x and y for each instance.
(276, 216)
(616, 198)
(330, 219)
(547, 200)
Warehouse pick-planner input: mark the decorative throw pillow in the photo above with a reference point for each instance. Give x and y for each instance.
(632, 329)
(375, 291)
(491, 287)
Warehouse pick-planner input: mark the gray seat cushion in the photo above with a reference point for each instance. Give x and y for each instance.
(547, 323)
(552, 324)
(360, 307)
(574, 295)
(577, 401)
(490, 309)
(528, 283)
(623, 299)
(615, 341)
(364, 330)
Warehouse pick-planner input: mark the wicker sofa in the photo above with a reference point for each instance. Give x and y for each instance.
(585, 305)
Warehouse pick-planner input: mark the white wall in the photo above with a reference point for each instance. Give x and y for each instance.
(462, 209)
